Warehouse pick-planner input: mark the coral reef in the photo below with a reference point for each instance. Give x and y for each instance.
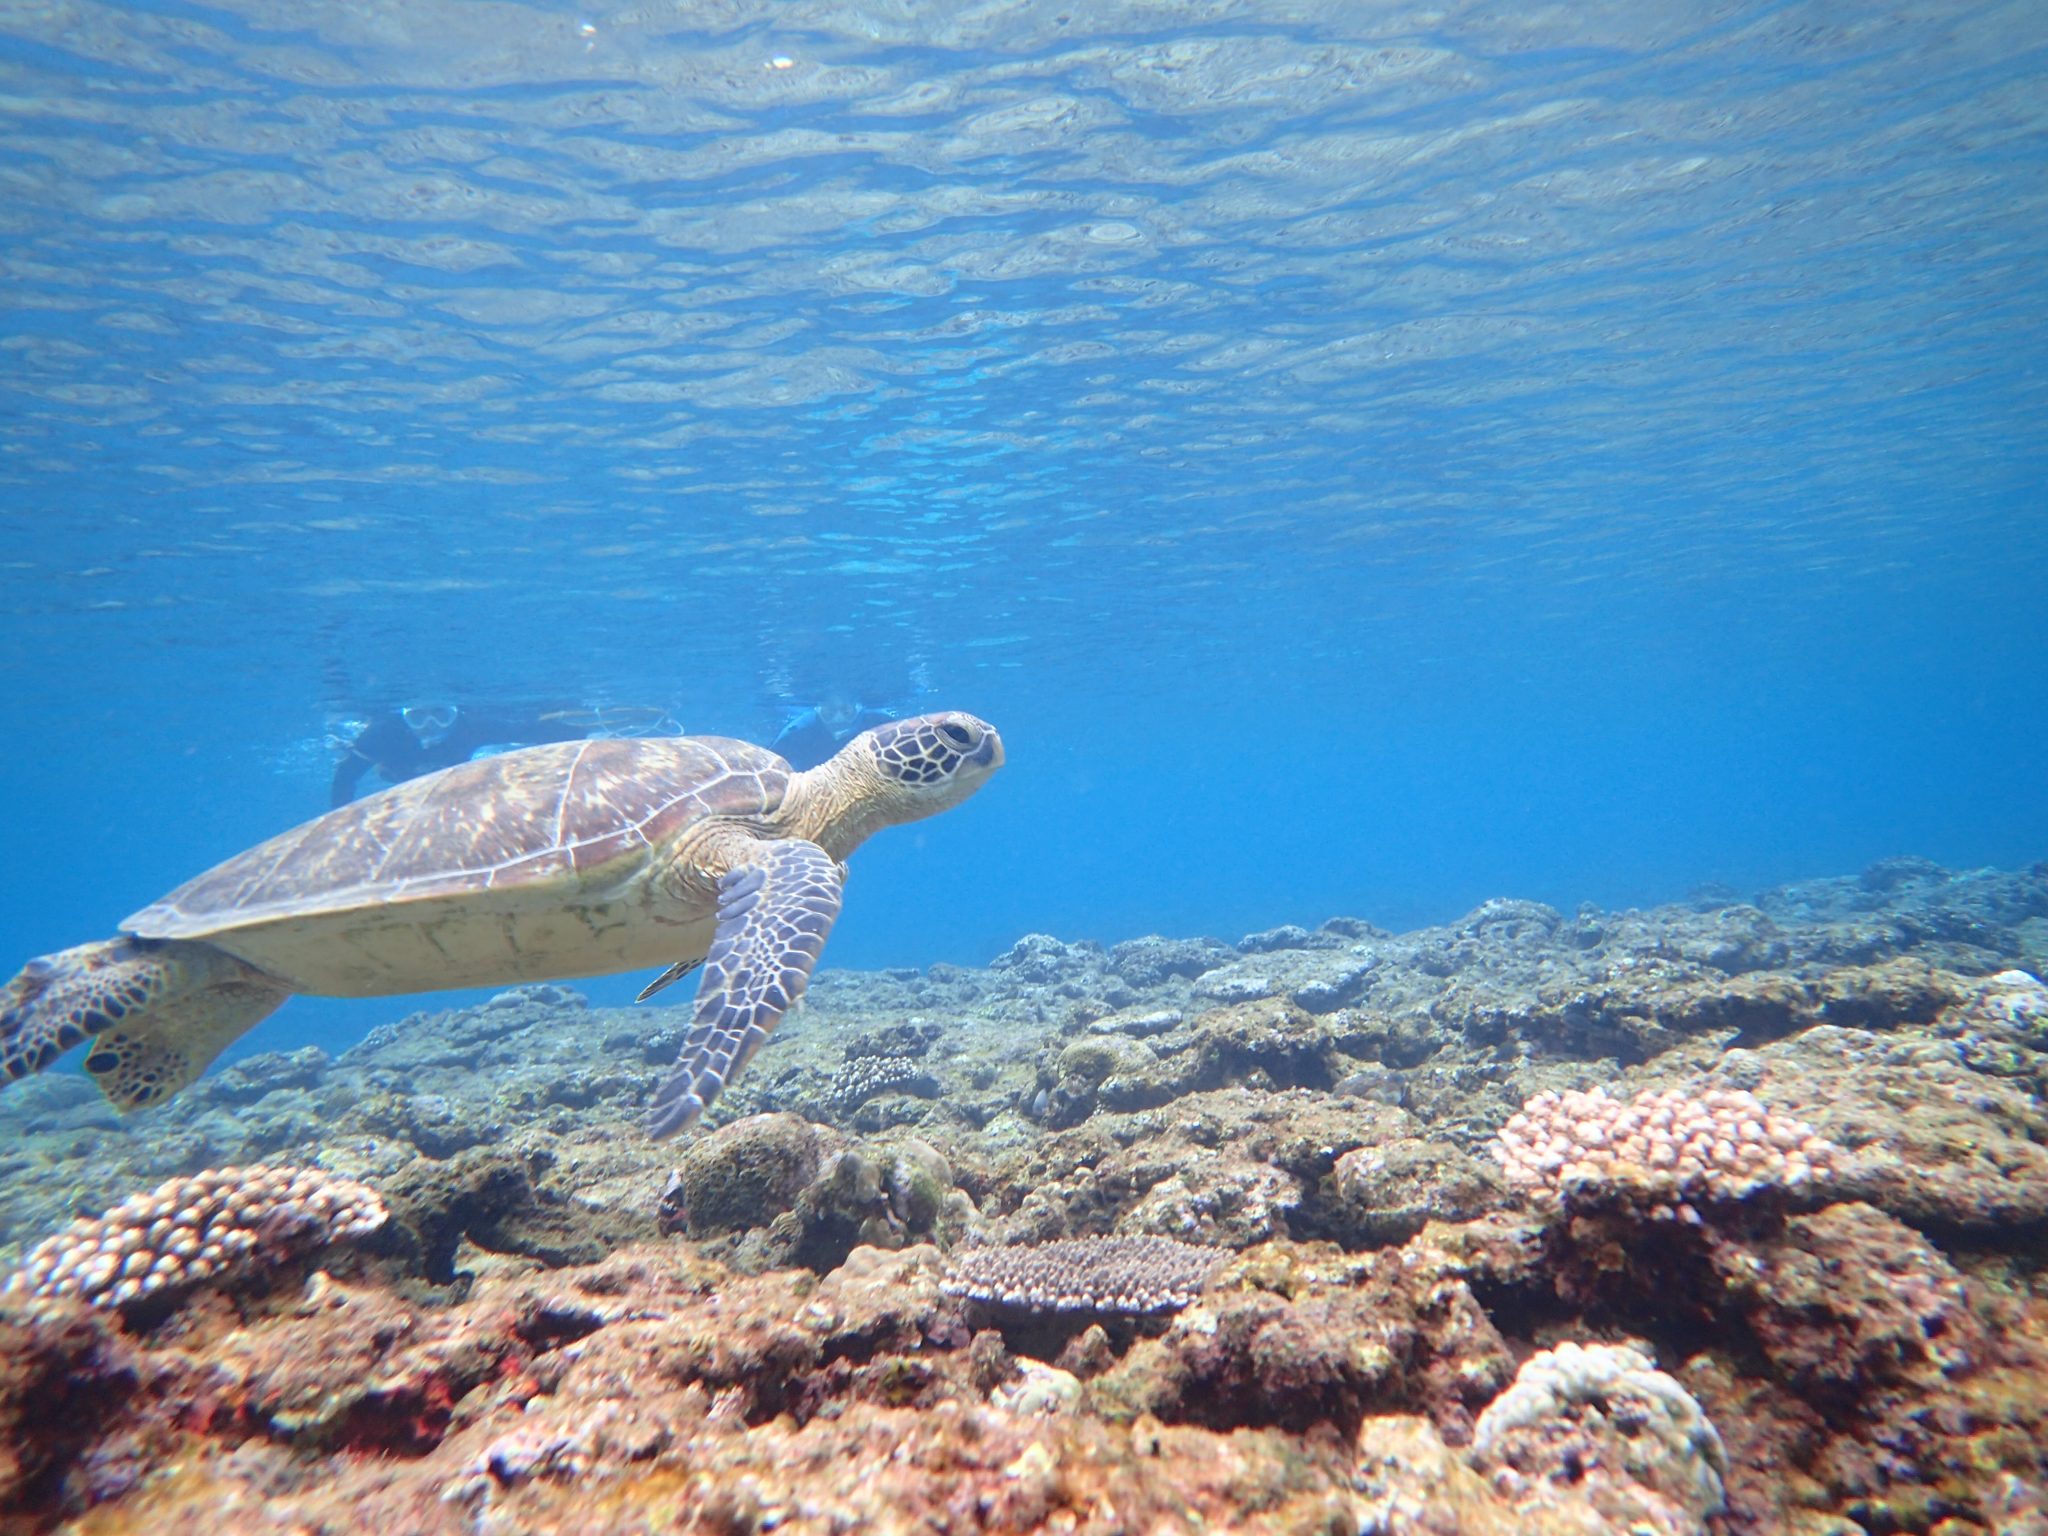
(1329, 1229)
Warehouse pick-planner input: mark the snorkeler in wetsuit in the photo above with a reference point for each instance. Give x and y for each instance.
(401, 744)
(814, 732)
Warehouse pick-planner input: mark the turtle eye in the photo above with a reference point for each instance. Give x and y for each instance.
(957, 734)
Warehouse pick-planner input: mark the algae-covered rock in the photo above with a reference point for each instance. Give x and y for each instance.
(435, 1205)
(1410, 1483)
(1269, 1042)
(749, 1171)
(1220, 1198)
(1336, 1341)
(1089, 1060)
(918, 1182)
(1386, 1193)
(786, 1191)
(1149, 961)
(1851, 1301)
(66, 1378)
(253, 1077)
(435, 1124)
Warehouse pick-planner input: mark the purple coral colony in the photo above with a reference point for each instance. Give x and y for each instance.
(1726, 1216)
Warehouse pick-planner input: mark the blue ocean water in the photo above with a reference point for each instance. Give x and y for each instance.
(1365, 458)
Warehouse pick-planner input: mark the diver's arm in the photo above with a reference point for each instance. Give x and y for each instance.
(868, 716)
(347, 774)
(799, 723)
(385, 745)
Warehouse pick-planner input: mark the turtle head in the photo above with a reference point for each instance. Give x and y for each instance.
(933, 761)
(906, 770)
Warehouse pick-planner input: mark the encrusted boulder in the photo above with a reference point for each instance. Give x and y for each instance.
(1039, 959)
(780, 1190)
(1234, 984)
(1931, 1138)
(1267, 1043)
(747, 1172)
(1287, 1338)
(1387, 1192)
(1510, 920)
(1286, 936)
(1602, 1419)
(1341, 982)
(1153, 960)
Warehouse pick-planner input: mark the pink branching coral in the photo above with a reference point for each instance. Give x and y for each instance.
(198, 1228)
(1670, 1147)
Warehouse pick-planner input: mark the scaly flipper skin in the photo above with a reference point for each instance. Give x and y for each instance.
(774, 912)
(156, 1012)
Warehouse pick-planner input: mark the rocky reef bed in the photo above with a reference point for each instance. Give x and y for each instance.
(1762, 1248)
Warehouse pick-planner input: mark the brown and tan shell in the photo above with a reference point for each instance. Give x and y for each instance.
(486, 872)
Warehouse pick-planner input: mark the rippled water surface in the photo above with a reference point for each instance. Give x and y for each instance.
(1367, 457)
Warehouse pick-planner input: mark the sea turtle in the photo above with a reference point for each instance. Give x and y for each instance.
(577, 859)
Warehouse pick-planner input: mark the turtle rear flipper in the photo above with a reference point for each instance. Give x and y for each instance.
(774, 911)
(157, 1013)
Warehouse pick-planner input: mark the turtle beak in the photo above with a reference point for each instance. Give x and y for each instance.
(989, 754)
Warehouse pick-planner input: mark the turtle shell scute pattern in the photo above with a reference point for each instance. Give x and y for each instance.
(530, 817)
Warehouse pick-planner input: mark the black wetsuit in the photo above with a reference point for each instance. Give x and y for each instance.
(396, 752)
(808, 741)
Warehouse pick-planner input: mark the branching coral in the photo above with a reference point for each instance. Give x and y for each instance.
(1085, 1274)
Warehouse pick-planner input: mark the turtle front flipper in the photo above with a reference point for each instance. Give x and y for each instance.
(156, 1012)
(774, 911)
